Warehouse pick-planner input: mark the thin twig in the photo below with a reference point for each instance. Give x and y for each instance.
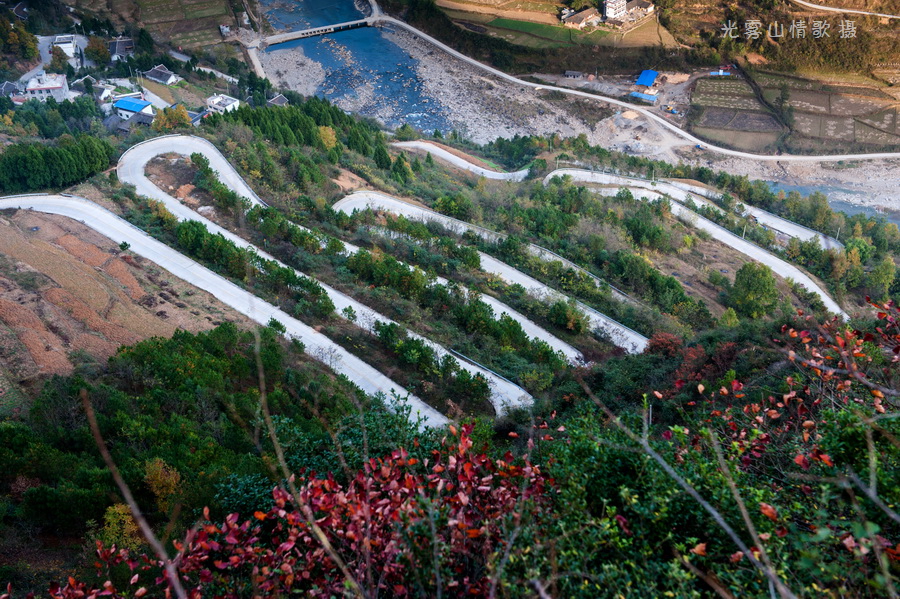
(279, 453)
(168, 565)
(690, 490)
(745, 515)
(709, 579)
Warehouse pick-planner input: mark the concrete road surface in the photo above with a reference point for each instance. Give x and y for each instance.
(682, 192)
(458, 162)
(631, 341)
(753, 251)
(504, 393)
(317, 345)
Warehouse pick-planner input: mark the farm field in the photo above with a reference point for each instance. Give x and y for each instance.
(555, 33)
(836, 111)
(69, 296)
(746, 140)
(730, 113)
(185, 23)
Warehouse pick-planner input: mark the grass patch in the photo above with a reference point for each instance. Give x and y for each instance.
(556, 33)
(160, 90)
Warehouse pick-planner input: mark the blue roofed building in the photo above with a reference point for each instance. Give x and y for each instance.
(647, 78)
(128, 107)
(645, 97)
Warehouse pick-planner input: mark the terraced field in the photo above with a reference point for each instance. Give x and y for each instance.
(836, 113)
(729, 113)
(185, 23)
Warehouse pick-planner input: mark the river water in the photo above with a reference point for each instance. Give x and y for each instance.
(839, 205)
(363, 69)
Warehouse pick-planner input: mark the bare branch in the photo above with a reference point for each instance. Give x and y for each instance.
(279, 452)
(709, 579)
(690, 490)
(168, 565)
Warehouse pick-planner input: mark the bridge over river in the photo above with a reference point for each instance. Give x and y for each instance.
(280, 38)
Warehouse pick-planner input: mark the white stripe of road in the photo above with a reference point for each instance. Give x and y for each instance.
(778, 266)
(317, 345)
(504, 393)
(620, 334)
(629, 106)
(458, 162)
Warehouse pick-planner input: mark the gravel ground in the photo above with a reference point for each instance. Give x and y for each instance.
(484, 108)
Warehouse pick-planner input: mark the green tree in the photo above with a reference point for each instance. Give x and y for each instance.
(97, 50)
(754, 292)
(400, 171)
(881, 278)
(729, 319)
(58, 61)
(382, 158)
(171, 118)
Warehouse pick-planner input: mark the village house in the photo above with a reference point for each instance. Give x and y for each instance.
(66, 43)
(639, 7)
(120, 48)
(21, 11)
(161, 74)
(47, 85)
(128, 107)
(582, 19)
(615, 9)
(278, 100)
(221, 103)
(9, 89)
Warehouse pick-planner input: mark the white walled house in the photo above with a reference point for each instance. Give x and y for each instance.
(47, 85)
(221, 103)
(128, 107)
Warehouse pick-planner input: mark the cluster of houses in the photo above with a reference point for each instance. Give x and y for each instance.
(124, 104)
(615, 13)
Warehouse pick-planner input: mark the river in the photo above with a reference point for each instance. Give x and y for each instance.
(363, 70)
(839, 205)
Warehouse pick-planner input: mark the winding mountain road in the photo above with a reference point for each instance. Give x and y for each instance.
(844, 10)
(457, 161)
(317, 345)
(621, 335)
(684, 192)
(689, 139)
(753, 251)
(131, 167)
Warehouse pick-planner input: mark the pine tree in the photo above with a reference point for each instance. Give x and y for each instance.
(382, 159)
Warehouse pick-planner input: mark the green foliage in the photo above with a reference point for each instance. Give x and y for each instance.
(382, 158)
(754, 293)
(53, 119)
(29, 166)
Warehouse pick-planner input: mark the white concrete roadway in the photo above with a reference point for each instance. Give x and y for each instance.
(753, 251)
(130, 169)
(844, 10)
(317, 345)
(458, 162)
(531, 328)
(689, 139)
(361, 200)
(621, 336)
(682, 192)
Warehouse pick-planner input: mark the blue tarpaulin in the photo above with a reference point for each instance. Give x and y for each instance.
(131, 104)
(647, 78)
(644, 97)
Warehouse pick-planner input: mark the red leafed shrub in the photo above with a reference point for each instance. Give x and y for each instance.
(399, 528)
(664, 344)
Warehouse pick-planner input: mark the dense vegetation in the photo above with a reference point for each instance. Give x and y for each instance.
(33, 166)
(783, 426)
